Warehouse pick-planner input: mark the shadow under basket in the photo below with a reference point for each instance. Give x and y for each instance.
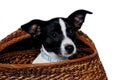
(18, 50)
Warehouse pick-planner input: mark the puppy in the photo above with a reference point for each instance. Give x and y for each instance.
(57, 36)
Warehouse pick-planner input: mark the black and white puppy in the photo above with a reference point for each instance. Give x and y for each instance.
(57, 36)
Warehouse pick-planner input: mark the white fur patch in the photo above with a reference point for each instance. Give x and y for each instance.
(66, 40)
(46, 57)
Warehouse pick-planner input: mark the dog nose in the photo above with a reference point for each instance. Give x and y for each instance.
(69, 48)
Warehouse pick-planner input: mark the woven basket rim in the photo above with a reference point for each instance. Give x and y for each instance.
(88, 40)
(48, 64)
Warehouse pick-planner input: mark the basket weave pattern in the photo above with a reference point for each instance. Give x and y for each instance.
(16, 64)
(74, 70)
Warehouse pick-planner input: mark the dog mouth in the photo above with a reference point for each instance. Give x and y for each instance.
(67, 55)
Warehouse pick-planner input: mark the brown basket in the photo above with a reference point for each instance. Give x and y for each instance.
(15, 59)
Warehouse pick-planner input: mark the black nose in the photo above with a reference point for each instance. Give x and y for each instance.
(69, 48)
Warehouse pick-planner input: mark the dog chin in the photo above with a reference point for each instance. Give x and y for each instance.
(67, 55)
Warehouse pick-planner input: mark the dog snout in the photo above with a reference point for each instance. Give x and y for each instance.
(69, 48)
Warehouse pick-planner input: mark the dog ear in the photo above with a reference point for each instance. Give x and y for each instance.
(77, 18)
(33, 27)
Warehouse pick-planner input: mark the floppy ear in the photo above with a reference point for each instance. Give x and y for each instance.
(33, 27)
(77, 18)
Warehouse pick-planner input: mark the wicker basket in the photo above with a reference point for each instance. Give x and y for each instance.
(16, 59)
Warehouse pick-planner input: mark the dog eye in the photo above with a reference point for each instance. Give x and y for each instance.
(71, 31)
(53, 34)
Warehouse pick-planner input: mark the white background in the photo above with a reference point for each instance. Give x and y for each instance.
(102, 26)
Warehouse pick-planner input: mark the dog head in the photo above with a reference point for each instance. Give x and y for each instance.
(58, 34)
